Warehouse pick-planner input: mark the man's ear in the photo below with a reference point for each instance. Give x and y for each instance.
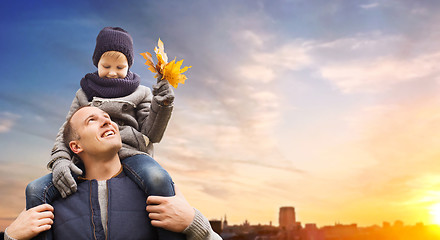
(75, 147)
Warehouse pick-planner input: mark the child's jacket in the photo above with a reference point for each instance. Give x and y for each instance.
(141, 120)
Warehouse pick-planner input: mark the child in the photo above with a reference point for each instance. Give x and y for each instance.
(141, 115)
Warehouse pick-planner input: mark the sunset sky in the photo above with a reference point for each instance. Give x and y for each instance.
(332, 107)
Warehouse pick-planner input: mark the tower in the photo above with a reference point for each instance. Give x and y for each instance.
(225, 222)
(287, 218)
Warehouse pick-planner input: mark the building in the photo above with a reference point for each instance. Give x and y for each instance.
(287, 219)
(312, 232)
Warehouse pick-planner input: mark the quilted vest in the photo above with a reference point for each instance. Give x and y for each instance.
(78, 216)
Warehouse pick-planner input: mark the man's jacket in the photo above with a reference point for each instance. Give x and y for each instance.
(79, 215)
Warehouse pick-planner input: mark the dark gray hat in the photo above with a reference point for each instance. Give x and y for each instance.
(113, 39)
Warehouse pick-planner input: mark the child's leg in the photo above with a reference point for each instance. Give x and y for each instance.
(149, 175)
(154, 180)
(41, 191)
(38, 192)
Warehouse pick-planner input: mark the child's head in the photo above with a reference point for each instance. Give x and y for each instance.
(110, 41)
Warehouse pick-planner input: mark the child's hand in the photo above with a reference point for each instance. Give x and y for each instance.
(62, 177)
(163, 93)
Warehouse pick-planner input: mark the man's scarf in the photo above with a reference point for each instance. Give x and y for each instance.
(94, 86)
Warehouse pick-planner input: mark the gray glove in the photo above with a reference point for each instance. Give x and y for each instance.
(62, 177)
(163, 93)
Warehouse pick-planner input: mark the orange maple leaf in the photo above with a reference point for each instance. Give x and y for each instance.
(169, 71)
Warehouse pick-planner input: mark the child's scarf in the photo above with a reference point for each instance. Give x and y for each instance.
(94, 86)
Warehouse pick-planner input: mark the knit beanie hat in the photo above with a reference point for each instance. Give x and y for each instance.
(113, 39)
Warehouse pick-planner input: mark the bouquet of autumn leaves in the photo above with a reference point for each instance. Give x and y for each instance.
(169, 71)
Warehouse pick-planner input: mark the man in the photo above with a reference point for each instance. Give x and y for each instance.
(118, 212)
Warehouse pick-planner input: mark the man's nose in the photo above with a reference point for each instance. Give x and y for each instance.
(105, 121)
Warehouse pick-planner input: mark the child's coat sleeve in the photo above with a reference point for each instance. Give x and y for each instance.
(60, 150)
(152, 117)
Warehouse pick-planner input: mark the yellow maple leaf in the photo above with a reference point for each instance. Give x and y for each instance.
(169, 71)
(160, 53)
(173, 73)
(149, 61)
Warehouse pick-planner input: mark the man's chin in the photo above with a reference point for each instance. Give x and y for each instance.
(115, 148)
(109, 149)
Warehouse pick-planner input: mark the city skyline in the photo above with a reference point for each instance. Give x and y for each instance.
(336, 222)
(330, 106)
(291, 229)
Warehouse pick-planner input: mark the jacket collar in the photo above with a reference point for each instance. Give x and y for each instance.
(119, 174)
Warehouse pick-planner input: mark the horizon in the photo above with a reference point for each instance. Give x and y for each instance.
(276, 224)
(4, 222)
(331, 107)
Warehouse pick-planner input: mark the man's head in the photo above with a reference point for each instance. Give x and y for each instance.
(90, 131)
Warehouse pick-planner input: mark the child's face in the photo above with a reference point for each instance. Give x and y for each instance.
(113, 66)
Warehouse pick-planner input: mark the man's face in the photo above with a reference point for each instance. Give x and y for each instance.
(98, 135)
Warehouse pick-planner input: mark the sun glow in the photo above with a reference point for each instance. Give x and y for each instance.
(435, 213)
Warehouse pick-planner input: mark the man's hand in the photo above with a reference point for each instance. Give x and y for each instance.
(31, 222)
(171, 213)
(163, 93)
(62, 177)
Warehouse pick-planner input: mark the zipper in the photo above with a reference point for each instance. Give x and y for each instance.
(108, 212)
(91, 207)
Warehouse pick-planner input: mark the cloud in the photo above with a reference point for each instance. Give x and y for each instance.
(7, 121)
(238, 118)
(252, 38)
(39, 108)
(381, 73)
(419, 11)
(227, 139)
(15, 177)
(374, 62)
(368, 62)
(265, 59)
(257, 72)
(401, 142)
(291, 56)
(369, 6)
